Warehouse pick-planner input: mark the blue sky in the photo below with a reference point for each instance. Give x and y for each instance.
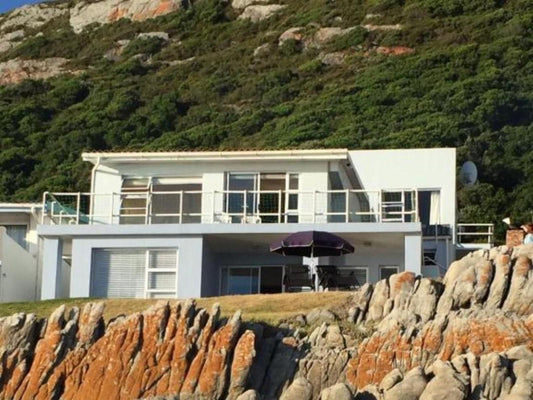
(7, 5)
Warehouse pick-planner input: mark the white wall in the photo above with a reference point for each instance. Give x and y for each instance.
(313, 175)
(411, 168)
(18, 272)
(190, 254)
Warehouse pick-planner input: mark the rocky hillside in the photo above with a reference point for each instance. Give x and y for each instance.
(469, 337)
(81, 75)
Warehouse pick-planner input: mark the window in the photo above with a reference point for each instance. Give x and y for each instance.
(360, 273)
(18, 234)
(134, 273)
(386, 271)
(133, 200)
(262, 197)
(176, 200)
(429, 210)
(251, 280)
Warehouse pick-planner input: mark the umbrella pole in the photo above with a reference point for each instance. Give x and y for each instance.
(314, 268)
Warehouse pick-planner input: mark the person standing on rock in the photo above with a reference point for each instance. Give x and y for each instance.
(528, 229)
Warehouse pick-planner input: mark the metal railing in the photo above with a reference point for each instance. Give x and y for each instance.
(230, 206)
(472, 234)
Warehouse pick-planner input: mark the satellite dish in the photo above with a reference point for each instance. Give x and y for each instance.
(468, 174)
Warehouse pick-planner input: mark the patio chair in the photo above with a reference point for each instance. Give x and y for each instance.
(298, 278)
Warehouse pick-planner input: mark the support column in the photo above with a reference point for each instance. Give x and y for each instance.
(413, 254)
(52, 259)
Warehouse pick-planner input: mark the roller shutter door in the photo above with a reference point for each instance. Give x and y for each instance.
(118, 273)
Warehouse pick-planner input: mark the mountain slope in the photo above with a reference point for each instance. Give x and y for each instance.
(400, 74)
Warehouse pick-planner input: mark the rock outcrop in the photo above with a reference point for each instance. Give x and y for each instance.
(259, 12)
(86, 13)
(33, 16)
(17, 70)
(470, 337)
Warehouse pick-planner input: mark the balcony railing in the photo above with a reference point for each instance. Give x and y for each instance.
(230, 206)
(475, 235)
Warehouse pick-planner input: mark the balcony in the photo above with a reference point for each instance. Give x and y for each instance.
(230, 206)
(475, 236)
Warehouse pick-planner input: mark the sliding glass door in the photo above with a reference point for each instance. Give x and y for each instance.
(251, 280)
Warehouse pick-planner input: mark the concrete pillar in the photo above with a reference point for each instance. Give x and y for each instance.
(413, 253)
(190, 264)
(52, 260)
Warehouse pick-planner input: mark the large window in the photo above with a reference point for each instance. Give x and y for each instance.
(262, 197)
(134, 200)
(385, 271)
(251, 280)
(18, 234)
(161, 200)
(176, 200)
(134, 273)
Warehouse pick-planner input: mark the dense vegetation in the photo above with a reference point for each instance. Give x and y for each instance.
(467, 85)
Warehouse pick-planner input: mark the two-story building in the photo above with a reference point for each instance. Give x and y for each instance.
(192, 224)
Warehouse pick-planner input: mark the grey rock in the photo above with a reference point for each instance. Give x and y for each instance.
(249, 395)
(338, 391)
(411, 388)
(256, 13)
(319, 315)
(446, 385)
(300, 389)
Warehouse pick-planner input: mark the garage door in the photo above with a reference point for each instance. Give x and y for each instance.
(134, 273)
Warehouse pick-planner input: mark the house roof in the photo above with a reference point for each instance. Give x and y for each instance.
(128, 157)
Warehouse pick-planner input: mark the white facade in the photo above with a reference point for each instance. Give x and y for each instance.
(19, 251)
(191, 224)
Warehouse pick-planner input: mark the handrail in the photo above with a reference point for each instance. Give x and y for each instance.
(247, 206)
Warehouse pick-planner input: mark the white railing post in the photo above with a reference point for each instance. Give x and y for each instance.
(314, 206)
(44, 207)
(380, 205)
(245, 205)
(346, 205)
(279, 204)
(181, 207)
(78, 204)
(111, 208)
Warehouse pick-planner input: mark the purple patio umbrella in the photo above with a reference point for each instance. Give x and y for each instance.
(312, 244)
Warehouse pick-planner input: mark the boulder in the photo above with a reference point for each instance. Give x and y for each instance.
(242, 4)
(291, 34)
(249, 395)
(158, 35)
(319, 315)
(410, 388)
(256, 13)
(446, 385)
(338, 391)
(300, 389)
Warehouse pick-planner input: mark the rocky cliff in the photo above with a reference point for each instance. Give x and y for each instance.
(469, 337)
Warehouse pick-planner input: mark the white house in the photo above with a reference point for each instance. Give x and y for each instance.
(192, 224)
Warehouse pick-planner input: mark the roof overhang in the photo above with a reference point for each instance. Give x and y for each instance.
(207, 156)
(19, 207)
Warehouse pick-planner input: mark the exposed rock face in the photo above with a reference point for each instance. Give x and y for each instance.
(394, 50)
(256, 13)
(470, 337)
(106, 11)
(16, 70)
(241, 4)
(33, 16)
(11, 39)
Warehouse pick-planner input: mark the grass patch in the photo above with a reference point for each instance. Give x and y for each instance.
(266, 308)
